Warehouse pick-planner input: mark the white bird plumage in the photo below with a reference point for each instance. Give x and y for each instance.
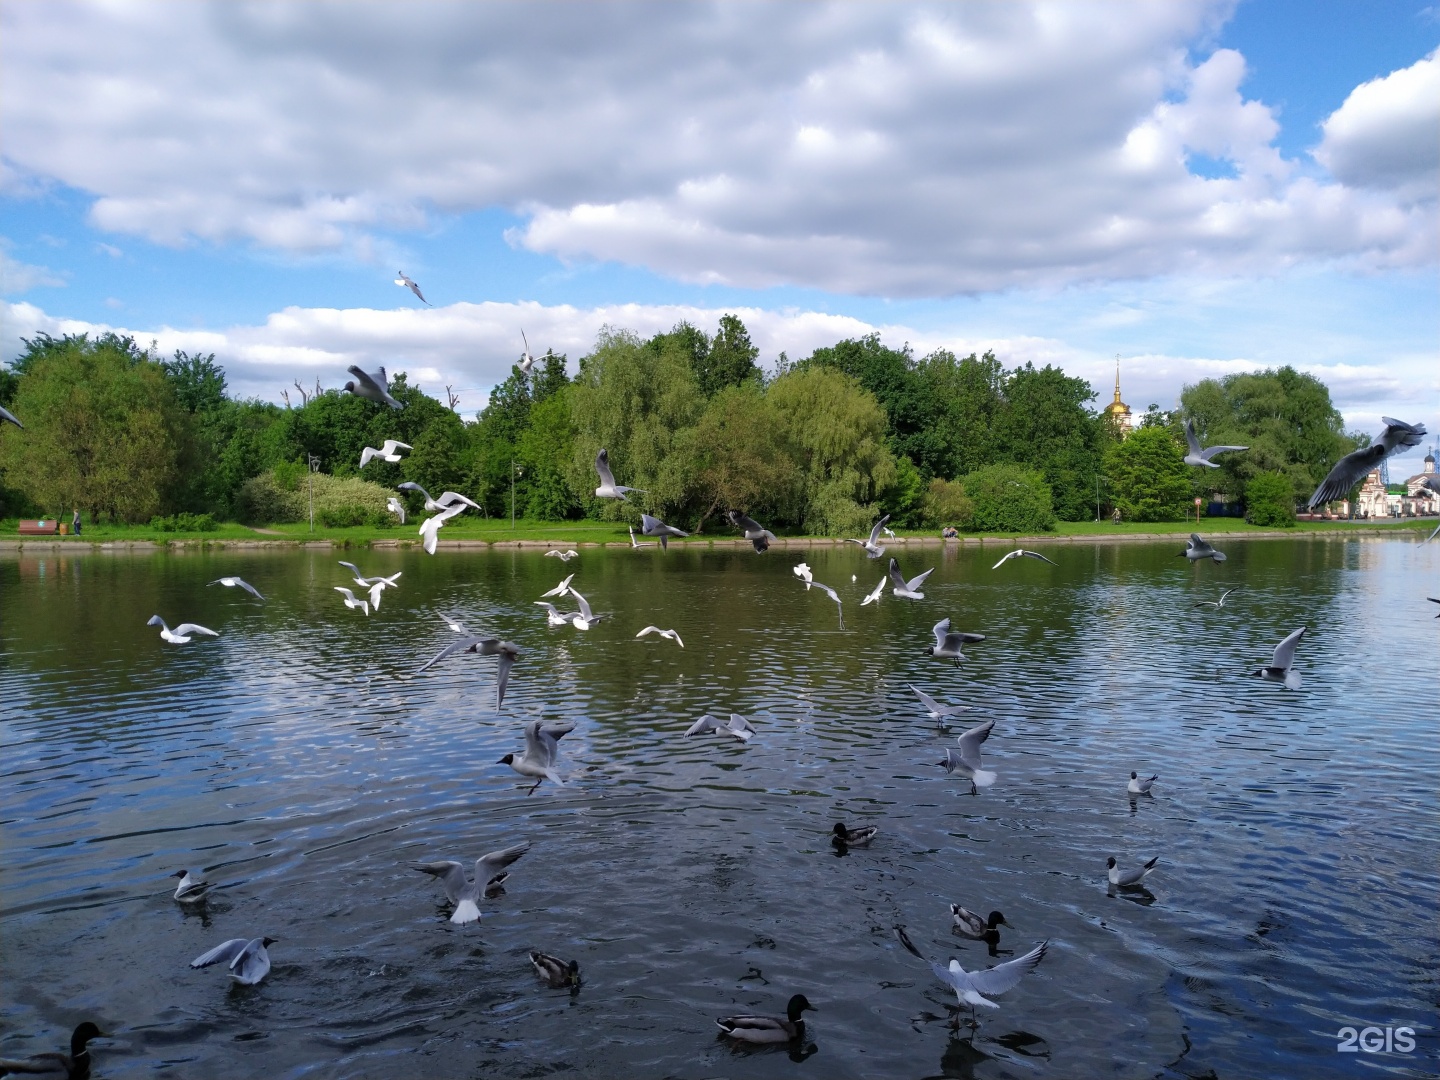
(385, 453)
(1197, 456)
(909, 590)
(246, 959)
(490, 872)
(873, 548)
(1281, 667)
(182, 633)
(671, 634)
(237, 582)
(737, 726)
(966, 760)
(374, 388)
(405, 282)
(608, 489)
(1022, 553)
(351, 602)
(542, 747)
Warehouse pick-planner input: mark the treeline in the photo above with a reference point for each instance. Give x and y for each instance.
(824, 444)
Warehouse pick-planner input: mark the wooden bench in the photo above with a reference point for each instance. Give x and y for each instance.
(49, 527)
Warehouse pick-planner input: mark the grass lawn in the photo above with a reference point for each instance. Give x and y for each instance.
(495, 530)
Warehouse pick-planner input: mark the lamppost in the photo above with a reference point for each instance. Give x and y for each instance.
(1098, 478)
(514, 472)
(313, 463)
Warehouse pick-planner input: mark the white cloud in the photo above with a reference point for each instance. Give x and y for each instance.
(19, 277)
(894, 149)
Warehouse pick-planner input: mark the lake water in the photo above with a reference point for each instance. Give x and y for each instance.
(694, 878)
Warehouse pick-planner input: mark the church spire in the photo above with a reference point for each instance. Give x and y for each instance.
(1117, 380)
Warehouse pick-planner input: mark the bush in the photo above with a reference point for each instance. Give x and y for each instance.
(1009, 498)
(1270, 501)
(346, 517)
(263, 499)
(832, 512)
(184, 523)
(947, 504)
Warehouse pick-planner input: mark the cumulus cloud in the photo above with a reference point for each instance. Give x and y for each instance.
(19, 277)
(903, 150)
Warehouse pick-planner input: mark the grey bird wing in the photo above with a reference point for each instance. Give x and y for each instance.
(193, 628)
(1348, 472)
(450, 874)
(895, 574)
(249, 588)
(253, 963)
(464, 644)
(6, 414)
(740, 726)
(1002, 977)
(704, 724)
(489, 867)
(970, 742)
(879, 525)
(1285, 651)
(935, 706)
(451, 498)
(940, 630)
(1211, 451)
(915, 582)
(585, 611)
(602, 466)
(366, 380)
(542, 740)
(502, 676)
(745, 523)
(353, 569)
(1190, 440)
(827, 590)
(1037, 555)
(226, 952)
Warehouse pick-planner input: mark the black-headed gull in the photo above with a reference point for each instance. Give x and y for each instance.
(191, 890)
(935, 709)
(802, 571)
(977, 987)
(671, 634)
(482, 646)
(559, 590)
(874, 597)
(395, 506)
(966, 760)
(756, 533)
(371, 387)
(638, 543)
(182, 633)
(554, 616)
(1127, 879)
(405, 282)
(385, 453)
(608, 489)
(828, 591)
(948, 642)
(237, 583)
(489, 873)
(526, 360)
(1281, 669)
(1138, 786)
(737, 726)
(542, 747)
(431, 526)
(446, 500)
(351, 602)
(1022, 553)
(1354, 467)
(584, 619)
(1218, 603)
(563, 556)
(1196, 456)
(873, 548)
(910, 590)
(246, 958)
(1196, 548)
(653, 526)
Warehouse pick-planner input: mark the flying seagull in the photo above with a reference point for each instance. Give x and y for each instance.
(191, 890)
(636, 543)
(450, 622)
(935, 709)
(948, 643)
(563, 556)
(351, 602)
(608, 489)
(879, 591)
(1352, 468)
(6, 414)
(489, 873)
(431, 526)
(395, 506)
(446, 500)
(407, 283)
(483, 646)
(385, 453)
(1195, 548)
(247, 960)
(1140, 787)
(1217, 603)
(542, 747)
(555, 616)
(889, 532)
(584, 619)
(1196, 456)
(559, 590)
(653, 526)
(756, 533)
(802, 571)
(671, 634)
(910, 590)
(182, 633)
(828, 591)
(1279, 669)
(1128, 879)
(972, 987)
(372, 387)
(1019, 553)
(526, 360)
(872, 547)
(366, 582)
(235, 582)
(966, 760)
(737, 725)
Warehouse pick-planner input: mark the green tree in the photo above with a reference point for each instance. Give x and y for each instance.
(742, 459)
(543, 453)
(969, 395)
(1046, 425)
(1270, 501)
(731, 359)
(1008, 498)
(1149, 480)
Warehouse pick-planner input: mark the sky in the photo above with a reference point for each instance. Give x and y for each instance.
(1196, 187)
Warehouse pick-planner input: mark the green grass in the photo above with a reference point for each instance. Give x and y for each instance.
(495, 530)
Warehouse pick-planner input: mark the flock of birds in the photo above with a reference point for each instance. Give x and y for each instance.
(247, 960)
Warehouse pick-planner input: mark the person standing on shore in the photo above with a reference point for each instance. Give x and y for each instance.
(75, 522)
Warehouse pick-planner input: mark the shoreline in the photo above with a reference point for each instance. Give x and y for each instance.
(71, 545)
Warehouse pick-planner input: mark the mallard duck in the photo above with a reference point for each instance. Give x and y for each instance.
(854, 837)
(190, 890)
(1141, 787)
(556, 972)
(73, 1066)
(972, 925)
(769, 1029)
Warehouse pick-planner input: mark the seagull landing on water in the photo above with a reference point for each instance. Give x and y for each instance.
(490, 874)
(1280, 668)
(247, 960)
(608, 489)
(948, 642)
(653, 526)
(395, 506)
(966, 760)
(756, 533)
(542, 747)
(182, 633)
(1196, 456)
(939, 712)
(387, 452)
(405, 282)
(488, 646)
(737, 726)
(910, 590)
(584, 619)
(374, 388)
(351, 602)
(191, 890)
(879, 591)
(1128, 879)
(554, 616)
(1217, 603)
(1352, 468)
(1019, 553)
(238, 583)
(873, 548)
(971, 987)
(1141, 787)
(671, 634)
(446, 500)
(1196, 548)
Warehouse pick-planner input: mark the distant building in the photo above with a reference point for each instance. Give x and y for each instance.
(1415, 499)
(1424, 499)
(1117, 410)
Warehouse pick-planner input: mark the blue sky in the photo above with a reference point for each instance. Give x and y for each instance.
(1198, 187)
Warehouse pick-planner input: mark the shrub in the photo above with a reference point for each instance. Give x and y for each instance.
(832, 512)
(1270, 501)
(1009, 498)
(184, 523)
(263, 499)
(947, 504)
(345, 517)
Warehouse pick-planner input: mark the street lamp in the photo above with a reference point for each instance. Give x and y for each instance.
(313, 463)
(514, 472)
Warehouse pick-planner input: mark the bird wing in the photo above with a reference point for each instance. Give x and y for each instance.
(367, 379)
(935, 706)
(704, 724)
(650, 526)
(971, 740)
(585, 611)
(452, 498)
(489, 867)
(1285, 651)
(252, 964)
(465, 644)
(563, 587)
(1005, 558)
(348, 594)
(6, 414)
(602, 466)
(542, 740)
(648, 630)
(676, 636)
(895, 574)
(1036, 555)
(1002, 977)
(915, 582)
(828, 591)
(1211, 451)
(226, 952)
(740, 726)
(366, 455)
(193, 628)
(502, 675)
(1190, 440)
(450, 874)
(941, 629)
(353, 569)
(745, 522)
(391, 445)
(875, 595)
(875, 532)
(1348, 471)
(249, 588)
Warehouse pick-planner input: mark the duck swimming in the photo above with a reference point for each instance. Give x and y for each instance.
(853, 837)
(556, 972)
(769, 1029)
(971, 925)
(72, 1066)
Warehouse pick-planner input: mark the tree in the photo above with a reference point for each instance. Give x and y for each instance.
(1270, 501)
(1009, 498)
(731, 360)
(1148, 477)
(198, 382)
(543, 452)
(742, 459)
(969, 394)
(1046, 425)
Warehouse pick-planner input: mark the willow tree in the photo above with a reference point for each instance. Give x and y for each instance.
(103, 430)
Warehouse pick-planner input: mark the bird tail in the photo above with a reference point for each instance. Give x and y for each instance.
(1292, 679)
(1219, 556)
(1150, 865)
(465, 912)
(551, 774)
(983, 778)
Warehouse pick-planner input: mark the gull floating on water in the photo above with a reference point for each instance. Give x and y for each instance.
(446, 500)
(1218, 603)
(191, 890)
(489, 873)
(542, 747)
(559, 590)
(556, 972)
(351, 602)
(385, 453)
(1127, 879)
(910, 590)
(935, 709)
(671, 634)
(872, 547)
(769, 1029)
(431, 526)
(1141, 787)
(653, 526)
(371, 387)
(737, 726)
(756, 533)
(948, 642)
(636, 543)
(1354, 467)
(874, 597)
(482, 646)
(405, 282)
(1022, 553)
(608, 489)
(858, 837)
(554, 616)
(1196, 548)
(1196, 456)
(235, 582)
(584, 619)
(247, 959)
(976, 987)
(182, 633)
(395, 506)
(966, 760)
(563, 556)
(1279, 669)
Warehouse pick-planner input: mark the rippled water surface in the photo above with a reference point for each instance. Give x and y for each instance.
(693, 878)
